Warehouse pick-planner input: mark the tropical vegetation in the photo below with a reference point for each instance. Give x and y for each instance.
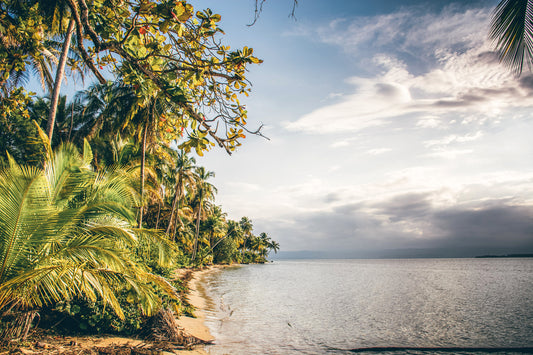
(512, 33)
(100, 196)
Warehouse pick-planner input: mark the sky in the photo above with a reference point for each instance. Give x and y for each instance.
(393, 130)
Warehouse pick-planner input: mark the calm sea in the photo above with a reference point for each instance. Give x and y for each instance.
(459, 306)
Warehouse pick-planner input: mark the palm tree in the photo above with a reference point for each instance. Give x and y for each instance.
(65, 232)
(114, 107)
(52, 14)
(256, 247)
(184, 176)
(105, 106)
(225, 248)
(14, 44)
(214, 224)
(273, 245)
(144, 115)
(204, 191)
(246, 227)
(60, 73)
(512, 32)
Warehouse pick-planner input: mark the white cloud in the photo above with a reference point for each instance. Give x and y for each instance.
(464, 79)
(378, 151)
(340, 144)
(454, 138)
(410, 31)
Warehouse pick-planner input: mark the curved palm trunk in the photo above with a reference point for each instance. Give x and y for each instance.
(143, 161)
(197, 234)
(60, 73)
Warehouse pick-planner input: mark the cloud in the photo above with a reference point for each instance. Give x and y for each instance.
(412, 221)
(378, 151)
(409, 32)
(454, 139)
(459, 77)
(412, 209)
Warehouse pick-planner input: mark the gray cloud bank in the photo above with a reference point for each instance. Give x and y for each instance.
(410, 225)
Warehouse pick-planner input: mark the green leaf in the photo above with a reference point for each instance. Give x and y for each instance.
(87, 153)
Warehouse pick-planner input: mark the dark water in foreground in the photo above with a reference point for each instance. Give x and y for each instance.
(462, 306)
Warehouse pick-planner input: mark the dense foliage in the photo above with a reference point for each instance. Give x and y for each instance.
(99, 197)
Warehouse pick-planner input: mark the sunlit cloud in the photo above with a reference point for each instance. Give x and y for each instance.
(454, 139)
(462, 77)
(341, 144)
(378, 151)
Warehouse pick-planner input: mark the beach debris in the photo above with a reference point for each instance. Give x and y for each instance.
(163, 327)
(42, 345)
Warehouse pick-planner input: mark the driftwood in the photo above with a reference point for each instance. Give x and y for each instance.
(17, 325)
(163, 327)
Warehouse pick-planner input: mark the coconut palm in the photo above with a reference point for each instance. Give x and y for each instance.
(65, 232)
(512, 31)
(114, 107)
(247, 228)
(16, 43)
(273, 245)
(184, 176)
(225, 248)
(204, 191)
(214, 225)
(60, 73)
(53, 18)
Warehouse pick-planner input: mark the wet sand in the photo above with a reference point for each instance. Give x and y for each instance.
(196, 297)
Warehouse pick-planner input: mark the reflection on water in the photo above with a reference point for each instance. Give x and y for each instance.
(332, 306)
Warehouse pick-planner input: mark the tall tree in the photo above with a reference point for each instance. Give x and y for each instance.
(60, 74)
(165, 49)
(184, 175)
(204, 191)
(214, 225)
(247, 228)
(23, 43)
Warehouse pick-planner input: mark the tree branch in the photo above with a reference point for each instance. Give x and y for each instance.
(81, 47)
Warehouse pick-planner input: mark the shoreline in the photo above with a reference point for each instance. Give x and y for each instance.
(112, 344)
(197, 298)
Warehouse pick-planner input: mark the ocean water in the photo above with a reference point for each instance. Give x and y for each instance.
(405, 306)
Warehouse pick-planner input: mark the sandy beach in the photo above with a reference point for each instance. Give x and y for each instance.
(118, 345)
(196, 297)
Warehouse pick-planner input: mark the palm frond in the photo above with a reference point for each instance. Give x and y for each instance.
(512, 32)
(65, 232)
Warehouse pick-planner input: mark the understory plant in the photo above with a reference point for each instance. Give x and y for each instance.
(66, 233)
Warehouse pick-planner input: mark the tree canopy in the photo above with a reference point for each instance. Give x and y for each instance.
(163, 85)
(158, 48)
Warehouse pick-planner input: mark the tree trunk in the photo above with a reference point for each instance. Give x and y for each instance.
(158, 215)
(179, 220)
(197, 234)
(60, 73)
(143, 159)
(174, 203)
(71, 121)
